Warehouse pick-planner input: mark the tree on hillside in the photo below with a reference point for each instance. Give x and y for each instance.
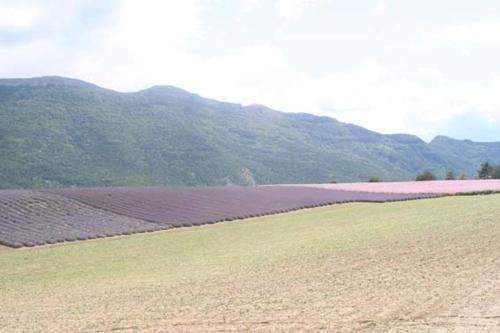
(496, 172)
(462, 176)
(486, 171)
(374, 180)
(450, 175)
(426, 175)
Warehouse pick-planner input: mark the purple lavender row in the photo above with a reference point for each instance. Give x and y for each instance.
(186, 206)
(29, 218)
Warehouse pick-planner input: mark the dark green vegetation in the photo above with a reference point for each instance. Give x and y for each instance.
(488, 171)
(450, 175)
(426, 175)
(63, 132)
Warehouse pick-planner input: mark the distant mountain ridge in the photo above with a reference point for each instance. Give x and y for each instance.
(44, 81)
(56, 131)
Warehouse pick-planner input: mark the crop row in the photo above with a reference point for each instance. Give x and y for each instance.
(436, 186)
(29, 218)
(187, 206)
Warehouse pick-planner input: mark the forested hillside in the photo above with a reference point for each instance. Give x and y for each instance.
(62, 132)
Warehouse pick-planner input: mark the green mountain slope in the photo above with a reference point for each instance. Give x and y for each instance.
(62, 132)
(465, 155)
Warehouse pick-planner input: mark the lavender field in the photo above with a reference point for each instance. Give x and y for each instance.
(30, 218)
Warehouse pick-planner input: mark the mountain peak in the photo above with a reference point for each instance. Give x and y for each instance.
(406, 138)
(43, 81)
(441, 137)
(166, 89)
(447, 139)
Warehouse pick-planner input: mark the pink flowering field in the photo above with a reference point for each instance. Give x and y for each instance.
(437, 186)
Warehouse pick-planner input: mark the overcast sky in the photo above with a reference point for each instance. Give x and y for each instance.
(420, 67)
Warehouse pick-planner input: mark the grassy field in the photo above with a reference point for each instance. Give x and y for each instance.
(425, 265)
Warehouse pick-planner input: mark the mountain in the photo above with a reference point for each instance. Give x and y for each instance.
(462, 154)
(57, 131)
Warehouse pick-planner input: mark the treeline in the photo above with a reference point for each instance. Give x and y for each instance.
(487, 170)
(450, 175)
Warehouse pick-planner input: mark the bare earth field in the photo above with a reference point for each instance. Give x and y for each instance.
(436, 186)
(429, 265)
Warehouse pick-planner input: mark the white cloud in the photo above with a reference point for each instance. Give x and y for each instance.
(18, 14)
(475, 33)
(380, 8)
(148, 42)
(249, 73)
(418, 103)
(156, 23)
(144, 44)
(147, 45)
(249, 3)
(290, 9)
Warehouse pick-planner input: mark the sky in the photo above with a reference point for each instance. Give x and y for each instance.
(401, 66)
